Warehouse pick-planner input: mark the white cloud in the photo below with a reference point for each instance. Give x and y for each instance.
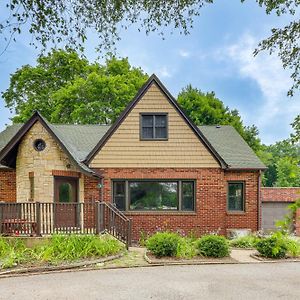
(164, 72)
(184, 53)
(272, 80)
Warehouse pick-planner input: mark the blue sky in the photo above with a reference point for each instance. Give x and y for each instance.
(216, 56)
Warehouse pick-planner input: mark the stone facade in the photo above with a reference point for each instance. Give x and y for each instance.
(42, 164)
(210, 213)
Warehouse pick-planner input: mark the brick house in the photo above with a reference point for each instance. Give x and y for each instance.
(153, 163)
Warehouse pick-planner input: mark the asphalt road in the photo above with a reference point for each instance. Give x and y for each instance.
(253, 281)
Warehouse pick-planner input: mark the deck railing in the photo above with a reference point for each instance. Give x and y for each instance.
(40, 218)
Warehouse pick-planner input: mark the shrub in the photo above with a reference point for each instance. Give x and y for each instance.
(213, 246)
(163, 244)
(248, 241)
(293, 247)
(186, 248)
(275, 246)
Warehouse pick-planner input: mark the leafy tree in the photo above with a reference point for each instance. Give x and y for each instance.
(206, 109)
(282, 159)
(288, 172)
(67, 23)
(296, 126)
(68, 89)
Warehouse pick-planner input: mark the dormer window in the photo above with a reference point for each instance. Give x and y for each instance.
(154, 126)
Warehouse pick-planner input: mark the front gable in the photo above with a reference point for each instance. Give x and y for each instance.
(123, 146)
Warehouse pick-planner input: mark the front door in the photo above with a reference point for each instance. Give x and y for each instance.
(66, 197)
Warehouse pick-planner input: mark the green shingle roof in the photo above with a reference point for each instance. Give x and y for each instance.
(231, 147)
(81, 139)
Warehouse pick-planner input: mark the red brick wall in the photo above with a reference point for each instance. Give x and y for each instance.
(280, 194)
(211, 198)
(91, 190)
(8, 185)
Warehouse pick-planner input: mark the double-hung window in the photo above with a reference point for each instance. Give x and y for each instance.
(236, 196)
(154, 126)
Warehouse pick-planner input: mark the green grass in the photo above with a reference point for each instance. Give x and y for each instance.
(57, 249)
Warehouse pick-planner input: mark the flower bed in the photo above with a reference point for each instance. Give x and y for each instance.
(57, 250)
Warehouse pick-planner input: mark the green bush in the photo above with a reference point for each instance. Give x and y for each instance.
(248, 241)
(213, 246)
(163, 244)
(293, 247)
(186, 248)
(275, 246)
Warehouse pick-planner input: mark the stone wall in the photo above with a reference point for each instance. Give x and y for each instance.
(42, 165)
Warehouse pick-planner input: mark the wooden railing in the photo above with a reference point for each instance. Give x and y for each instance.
(40, 218)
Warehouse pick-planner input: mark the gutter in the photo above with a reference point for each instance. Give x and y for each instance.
(259, 215)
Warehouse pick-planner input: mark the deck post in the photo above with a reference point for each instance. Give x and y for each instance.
(1, 216)
(98, 217)
(38, 218)
(128, 242)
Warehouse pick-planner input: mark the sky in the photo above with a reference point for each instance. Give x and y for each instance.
(216, 56)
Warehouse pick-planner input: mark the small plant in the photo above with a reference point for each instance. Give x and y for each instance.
(275, 246)
(213, 246)
(163, 244)
(293, 247)
(186, 249)
(143, 238)
(248, 241)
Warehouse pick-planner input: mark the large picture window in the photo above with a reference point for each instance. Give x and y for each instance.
(154, 195)
(236, 196)
(154, 126)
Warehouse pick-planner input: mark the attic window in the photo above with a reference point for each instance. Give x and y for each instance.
(39, 145)
(154, 126)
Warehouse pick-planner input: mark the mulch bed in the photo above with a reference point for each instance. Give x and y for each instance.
(151, 259)
(266, 259)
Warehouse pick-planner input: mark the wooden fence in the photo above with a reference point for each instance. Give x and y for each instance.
(40, 218)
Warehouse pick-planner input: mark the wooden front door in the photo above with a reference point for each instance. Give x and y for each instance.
(66, 197)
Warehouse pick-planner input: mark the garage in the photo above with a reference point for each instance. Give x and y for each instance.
(272, 212)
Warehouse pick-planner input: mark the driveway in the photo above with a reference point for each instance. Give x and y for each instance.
(246, 281)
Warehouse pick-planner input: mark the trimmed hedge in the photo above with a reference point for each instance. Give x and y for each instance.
(213, 246)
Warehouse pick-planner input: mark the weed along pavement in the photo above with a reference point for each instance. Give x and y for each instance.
(232, 281)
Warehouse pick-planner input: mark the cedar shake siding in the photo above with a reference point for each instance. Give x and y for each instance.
(182, 149)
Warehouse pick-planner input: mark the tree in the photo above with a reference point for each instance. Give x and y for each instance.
(68, 89)
(66, 22)
(206, 109)
(288, 172)
(282, 160)
(296, 126)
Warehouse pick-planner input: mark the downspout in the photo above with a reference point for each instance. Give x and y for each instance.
(101, 190)
(259, 201)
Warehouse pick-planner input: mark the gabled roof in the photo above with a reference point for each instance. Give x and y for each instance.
(232, 147)
(82, 142)
(8, 146)
(153, 79)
